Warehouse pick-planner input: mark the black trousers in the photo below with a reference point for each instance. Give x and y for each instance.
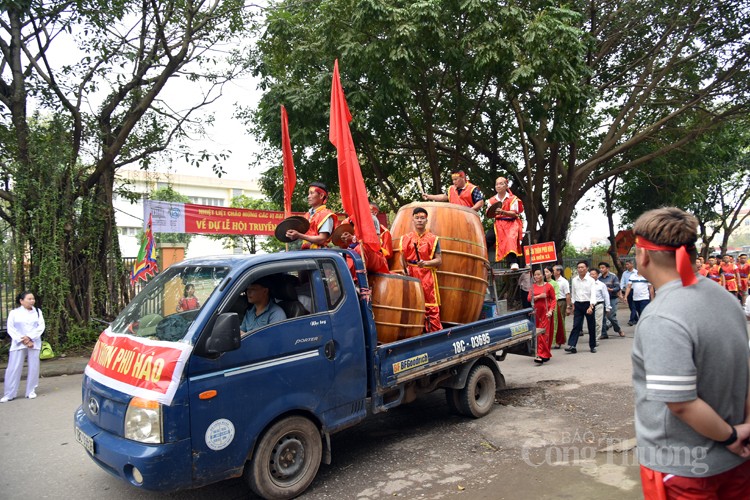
(579, 313)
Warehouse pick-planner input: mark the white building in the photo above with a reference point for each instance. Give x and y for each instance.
(201, 190)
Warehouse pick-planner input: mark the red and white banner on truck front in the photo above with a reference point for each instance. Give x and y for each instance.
(140, 367)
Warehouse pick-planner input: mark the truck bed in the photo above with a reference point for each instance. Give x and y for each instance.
(416, 357)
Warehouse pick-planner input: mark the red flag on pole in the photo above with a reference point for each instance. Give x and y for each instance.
(290, 176)
(353, 192)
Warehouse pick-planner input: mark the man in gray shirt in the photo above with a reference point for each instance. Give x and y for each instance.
(690, 371)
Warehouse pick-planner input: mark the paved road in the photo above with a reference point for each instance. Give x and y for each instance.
(546, 438)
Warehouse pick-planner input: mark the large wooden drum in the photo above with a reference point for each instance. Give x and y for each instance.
(462, 278)
(398, 306)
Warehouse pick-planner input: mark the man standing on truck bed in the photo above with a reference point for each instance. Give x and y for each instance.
(690, 371)
(322, 220)
(420, 257)
(462, 192)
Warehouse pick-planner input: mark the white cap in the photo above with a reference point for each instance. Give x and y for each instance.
(514, 266)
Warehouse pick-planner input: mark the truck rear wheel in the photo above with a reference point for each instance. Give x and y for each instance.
(476, 399)
(286, 459)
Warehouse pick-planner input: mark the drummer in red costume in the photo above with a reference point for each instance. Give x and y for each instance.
(386, 239)
(714, 271)
(420, 256)
(462, 192)
(744, 269)
(508, 224)
(374, 260)
(730, 276)
(322, 220)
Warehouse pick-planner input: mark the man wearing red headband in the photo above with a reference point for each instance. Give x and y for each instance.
(322, 220)
(690, 371)
(462, 192)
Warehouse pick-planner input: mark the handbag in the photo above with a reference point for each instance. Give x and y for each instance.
(46, 352)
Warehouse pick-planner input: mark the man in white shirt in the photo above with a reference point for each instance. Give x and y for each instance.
(624, 279)
(602, 305)
(584, 300)
(642, 291)
(564, 305)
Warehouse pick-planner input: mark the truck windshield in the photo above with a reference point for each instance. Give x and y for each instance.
(168, 305)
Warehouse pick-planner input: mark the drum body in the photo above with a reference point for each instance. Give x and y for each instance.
(462, 277)
(398, 306)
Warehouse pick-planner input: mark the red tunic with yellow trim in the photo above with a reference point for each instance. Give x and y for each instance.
(508, 229)
(714, 273)
(426, 245)
(317, 220)
(744, 270)
(730, 276)
(465, 198)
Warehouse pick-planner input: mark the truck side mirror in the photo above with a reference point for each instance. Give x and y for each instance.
(225, 335)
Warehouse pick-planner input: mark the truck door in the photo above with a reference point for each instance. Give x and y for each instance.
(279, 367)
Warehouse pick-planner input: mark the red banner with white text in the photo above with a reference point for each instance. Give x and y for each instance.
(145, 368)
(171, 217)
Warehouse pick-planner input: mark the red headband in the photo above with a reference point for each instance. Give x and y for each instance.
(322, 192)
(684, 266)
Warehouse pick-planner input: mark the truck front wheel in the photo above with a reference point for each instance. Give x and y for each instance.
(476, 399)
(286, 459)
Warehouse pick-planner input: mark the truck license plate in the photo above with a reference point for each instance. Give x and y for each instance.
(86, 441)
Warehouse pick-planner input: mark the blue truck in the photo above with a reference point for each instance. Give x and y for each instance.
(264, 404)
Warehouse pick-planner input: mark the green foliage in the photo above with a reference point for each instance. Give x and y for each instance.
(79, 336)
(558, 96)
(95, 110)
(709, 177)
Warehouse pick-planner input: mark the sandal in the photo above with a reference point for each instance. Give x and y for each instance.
(622, 334)
(538, 360)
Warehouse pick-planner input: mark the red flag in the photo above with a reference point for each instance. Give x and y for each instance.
(290, 176)
(353, 192)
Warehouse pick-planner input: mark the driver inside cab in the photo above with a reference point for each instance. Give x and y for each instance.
(263, 310)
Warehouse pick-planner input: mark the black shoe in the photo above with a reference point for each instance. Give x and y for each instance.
(571, 350)
(604, 337)
(593, 349)
(630, 323)
(538, 360)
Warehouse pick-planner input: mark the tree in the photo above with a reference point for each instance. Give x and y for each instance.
(98, 107)
(710, 177)
(558, 97)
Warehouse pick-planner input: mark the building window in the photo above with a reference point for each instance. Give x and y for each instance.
(212, 202)
(130, 231)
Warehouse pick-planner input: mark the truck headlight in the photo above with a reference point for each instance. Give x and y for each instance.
(143, 421)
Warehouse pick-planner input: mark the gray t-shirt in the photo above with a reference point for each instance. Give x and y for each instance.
(691, 342)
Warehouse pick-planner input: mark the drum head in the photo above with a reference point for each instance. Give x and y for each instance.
(296, 222)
